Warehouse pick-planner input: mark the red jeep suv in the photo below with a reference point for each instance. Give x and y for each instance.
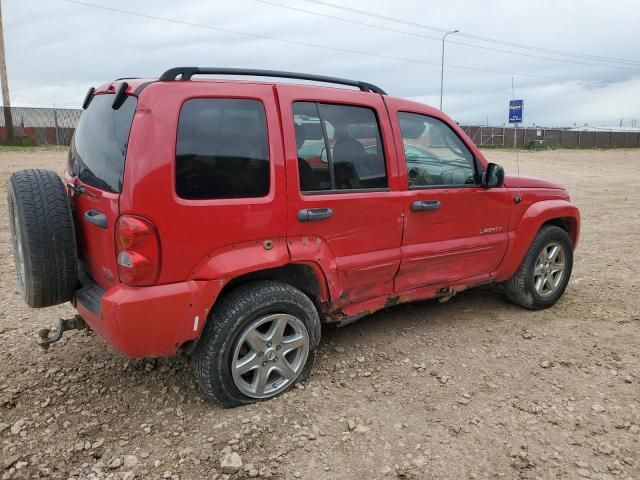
(227, 219)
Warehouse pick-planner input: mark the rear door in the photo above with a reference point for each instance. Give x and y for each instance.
(94, 179)
(344, 210)
(454, 229)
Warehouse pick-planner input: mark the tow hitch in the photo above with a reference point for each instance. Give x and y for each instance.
(47, 337)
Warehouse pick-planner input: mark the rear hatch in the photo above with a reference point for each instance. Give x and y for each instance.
(94, 175)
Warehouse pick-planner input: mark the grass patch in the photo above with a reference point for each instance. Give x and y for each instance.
(33, 148)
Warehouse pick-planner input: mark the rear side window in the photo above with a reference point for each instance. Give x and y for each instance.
(222, 149)
(99, 144)
(339, 147)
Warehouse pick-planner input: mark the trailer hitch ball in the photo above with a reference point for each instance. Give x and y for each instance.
(47, 337)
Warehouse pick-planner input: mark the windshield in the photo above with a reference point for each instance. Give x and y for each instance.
(99, 144)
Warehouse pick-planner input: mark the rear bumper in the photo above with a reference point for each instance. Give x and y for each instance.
(146, 321)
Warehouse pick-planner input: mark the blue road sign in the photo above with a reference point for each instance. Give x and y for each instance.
(515, 111)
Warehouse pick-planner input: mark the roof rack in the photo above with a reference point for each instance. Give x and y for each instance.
(186, 73)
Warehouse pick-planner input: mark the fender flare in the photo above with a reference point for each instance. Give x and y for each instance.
(521, 237)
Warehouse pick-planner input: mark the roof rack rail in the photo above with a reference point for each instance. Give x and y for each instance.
(186, 73)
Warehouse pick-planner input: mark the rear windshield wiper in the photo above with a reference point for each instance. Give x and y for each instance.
(120, 96)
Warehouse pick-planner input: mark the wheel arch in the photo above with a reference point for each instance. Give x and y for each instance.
(307, 277)
(560, 213)
(568, 224)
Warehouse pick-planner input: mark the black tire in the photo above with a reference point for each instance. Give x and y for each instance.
(43, 236)
(212, 358)
(520, 288)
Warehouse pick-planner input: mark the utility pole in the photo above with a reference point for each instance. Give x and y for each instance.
(442, 64)
(6, 102)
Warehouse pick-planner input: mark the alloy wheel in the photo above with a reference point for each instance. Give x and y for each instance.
(270, 354)
(549, 269)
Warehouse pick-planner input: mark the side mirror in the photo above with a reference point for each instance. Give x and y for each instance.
(493, 177)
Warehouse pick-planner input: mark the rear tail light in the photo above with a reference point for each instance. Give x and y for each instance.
(137, 251)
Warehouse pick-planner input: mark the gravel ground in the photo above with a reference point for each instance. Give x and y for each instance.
(472, 388)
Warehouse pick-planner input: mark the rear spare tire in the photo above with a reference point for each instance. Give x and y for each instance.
(42, 237)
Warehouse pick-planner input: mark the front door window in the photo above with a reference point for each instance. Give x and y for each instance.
(435, 155)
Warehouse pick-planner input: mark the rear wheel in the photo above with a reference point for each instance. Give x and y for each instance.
(43, 238)
(544, 273)
(259, 341)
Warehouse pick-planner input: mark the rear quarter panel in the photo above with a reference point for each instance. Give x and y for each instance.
(194, 231)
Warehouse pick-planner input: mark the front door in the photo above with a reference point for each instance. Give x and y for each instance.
(453, 229)
(345, 212)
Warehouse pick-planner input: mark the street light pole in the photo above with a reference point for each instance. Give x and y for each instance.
(442, 64)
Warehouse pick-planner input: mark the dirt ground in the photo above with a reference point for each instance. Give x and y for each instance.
(472, 388)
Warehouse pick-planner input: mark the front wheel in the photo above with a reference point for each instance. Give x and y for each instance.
(544, 273)
(259, 341)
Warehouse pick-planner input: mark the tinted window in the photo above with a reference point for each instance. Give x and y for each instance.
(434, 153)
(99, 145)
(339, 147)
(222, 149)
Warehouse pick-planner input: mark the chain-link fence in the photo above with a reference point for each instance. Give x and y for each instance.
(55, 126)
(539, 137)
(40, 126)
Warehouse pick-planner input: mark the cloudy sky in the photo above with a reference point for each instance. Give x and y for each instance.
(584, 67)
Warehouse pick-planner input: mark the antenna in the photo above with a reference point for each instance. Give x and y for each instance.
(518, 199)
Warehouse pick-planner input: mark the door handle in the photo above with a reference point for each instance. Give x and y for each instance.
(97, 218)
(314, 214)
(422, 205)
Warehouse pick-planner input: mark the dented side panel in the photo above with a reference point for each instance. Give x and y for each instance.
(465, 235)
(443, 292)
(358, 246)
(230, 261)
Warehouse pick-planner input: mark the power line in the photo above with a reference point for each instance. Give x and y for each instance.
(309, 44)
(356, 22)
(596, 58)
(439, 39)
(476, 37)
